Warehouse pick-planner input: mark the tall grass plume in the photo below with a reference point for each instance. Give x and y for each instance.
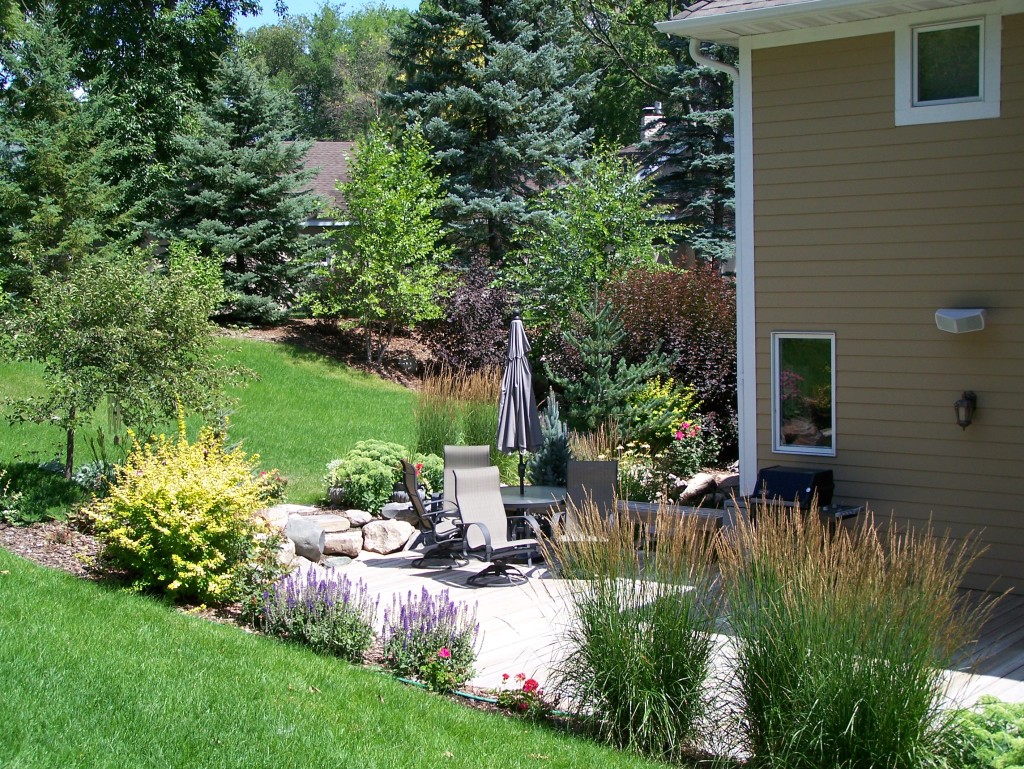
(841, 639)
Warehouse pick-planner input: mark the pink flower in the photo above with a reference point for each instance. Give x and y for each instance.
(679, 435)
(520, 676)
(504, 677)
(444, 653)
(530, 686)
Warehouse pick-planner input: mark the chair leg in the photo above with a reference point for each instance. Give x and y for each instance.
(450, 557)
(498, 570)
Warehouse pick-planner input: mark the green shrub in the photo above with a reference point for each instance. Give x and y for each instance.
(639, 652)
(656, 411)
(692, 449)
(369, 471)
(993, 735)
(548, 464)
(431, 638)
(330, 616)
(181, 517)
(841, 640)
(31, 493)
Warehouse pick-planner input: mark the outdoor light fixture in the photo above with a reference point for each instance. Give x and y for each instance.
(965, 408)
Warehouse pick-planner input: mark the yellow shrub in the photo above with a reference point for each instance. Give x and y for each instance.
(180, 517)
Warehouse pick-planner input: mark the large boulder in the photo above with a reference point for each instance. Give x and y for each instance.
(331, 522)
(309, 538)
(344, 543)
(286, 553)
(358, 517)
(386, 536)
(698, 487)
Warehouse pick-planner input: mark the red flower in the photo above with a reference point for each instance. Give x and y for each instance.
(530, 686)
(504, 677)
(419, 468)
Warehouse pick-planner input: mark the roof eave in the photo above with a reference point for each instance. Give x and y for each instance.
(728, 28)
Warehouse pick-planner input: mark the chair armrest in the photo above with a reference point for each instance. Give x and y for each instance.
(531, 522)
(483, 531)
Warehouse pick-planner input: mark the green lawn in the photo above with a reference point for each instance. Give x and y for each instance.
(302, 412)
(92, 677)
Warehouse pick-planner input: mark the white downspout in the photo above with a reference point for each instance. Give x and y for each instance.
(746, 374)
(721, 66)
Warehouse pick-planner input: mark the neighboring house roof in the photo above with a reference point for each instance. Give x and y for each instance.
(726, 21)
(329, 161)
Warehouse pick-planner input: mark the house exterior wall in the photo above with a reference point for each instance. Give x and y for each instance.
(864, 229)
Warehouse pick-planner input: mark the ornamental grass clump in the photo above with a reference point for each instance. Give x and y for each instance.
(331, 616)
(431, 638)
(638, 656)
(181, 519)
(841, 639)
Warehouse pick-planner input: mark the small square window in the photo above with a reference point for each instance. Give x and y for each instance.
(948, 66)
(948, 71)
(803, 390)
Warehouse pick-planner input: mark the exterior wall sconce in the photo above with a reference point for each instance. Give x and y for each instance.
(965, 409)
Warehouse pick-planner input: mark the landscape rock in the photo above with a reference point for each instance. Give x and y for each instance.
(286, 554)
(358, 517)
(337, 561)
(274, 516)
(699, 486)
(392, 509)
(297, 509)
(347, 543)
(331, 522)
(307, 536)
(386, 536)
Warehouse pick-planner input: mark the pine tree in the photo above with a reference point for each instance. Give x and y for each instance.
(548, 464)
(492, 83)
(598, 393)
(235, 193)
(55, 204)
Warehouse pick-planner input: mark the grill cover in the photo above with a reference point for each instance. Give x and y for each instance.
(797, 484)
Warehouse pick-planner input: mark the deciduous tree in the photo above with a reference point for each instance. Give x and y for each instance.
(387, 269)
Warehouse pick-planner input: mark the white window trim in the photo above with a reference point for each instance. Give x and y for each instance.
(778, 447)
(909, 113)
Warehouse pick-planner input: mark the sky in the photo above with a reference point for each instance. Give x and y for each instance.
(309, 7)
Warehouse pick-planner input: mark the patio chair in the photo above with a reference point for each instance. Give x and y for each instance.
(441, 530)
(593, 483)
(478, 495)
(461, 458)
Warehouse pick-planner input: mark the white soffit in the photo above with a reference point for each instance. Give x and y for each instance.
(728, 28)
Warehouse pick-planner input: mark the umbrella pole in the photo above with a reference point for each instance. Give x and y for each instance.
(522, 474)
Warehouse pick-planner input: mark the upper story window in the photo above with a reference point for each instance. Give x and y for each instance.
(949, 71)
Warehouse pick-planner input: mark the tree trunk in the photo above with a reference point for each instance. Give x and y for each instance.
(69, 459)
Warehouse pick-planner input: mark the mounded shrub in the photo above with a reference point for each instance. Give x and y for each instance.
(691, 316)
(369, 471)
(181, 519)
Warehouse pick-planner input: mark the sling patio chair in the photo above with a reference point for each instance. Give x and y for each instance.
(441, 530)
(589, 483)
(478, 495)
(461, 458)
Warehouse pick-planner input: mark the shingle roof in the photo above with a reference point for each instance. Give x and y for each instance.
(330, 159)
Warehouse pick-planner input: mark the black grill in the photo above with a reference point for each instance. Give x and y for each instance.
(794, 484)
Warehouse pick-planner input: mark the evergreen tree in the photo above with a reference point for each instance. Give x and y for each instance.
(234, 192)
(55, 204)
(548, 465)
(598, 391)
(690, 155)
(492, 84)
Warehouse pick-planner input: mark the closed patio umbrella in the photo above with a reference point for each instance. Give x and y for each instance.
(518, 421)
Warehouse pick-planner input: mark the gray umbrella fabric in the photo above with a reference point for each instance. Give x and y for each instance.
(518, 421)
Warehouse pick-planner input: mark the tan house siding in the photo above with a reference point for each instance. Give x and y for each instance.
(865, 229)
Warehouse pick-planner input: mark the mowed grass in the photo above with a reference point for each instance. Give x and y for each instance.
(303, 411)
(92, 677)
